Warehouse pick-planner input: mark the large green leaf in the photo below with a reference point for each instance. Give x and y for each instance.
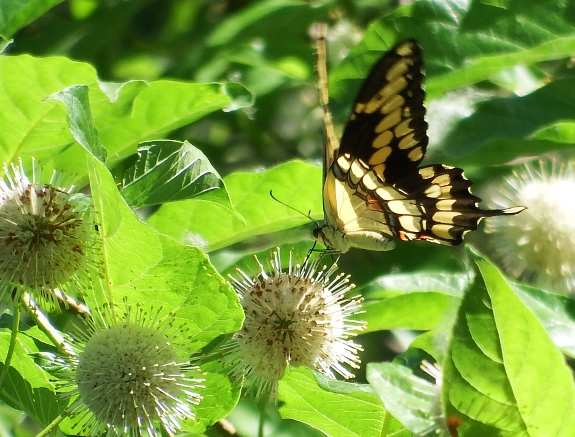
(503, 375)
(27, 385)
(555, 312)
(411, 400)
(247, 416)
(295, 183)
(416, 301)
(123, 114)
(145, 266)
(512, 127)
(168, 171)
(219, 397)
(242, 24)
(464, 42)
(15, 14)
(336, 408)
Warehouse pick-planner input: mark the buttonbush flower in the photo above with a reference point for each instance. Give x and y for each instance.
(299, 317)
(46, 235)
(538, 245)
(130, 376)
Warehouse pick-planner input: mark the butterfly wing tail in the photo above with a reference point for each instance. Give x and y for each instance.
(448, 208)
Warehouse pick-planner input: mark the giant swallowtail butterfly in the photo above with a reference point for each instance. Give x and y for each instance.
(374, 188)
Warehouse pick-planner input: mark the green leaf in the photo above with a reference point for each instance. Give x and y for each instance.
(27, 387)
(75, 99)
(503, 375)
(516, 126)
(15, 14)
(295, 183)
(167, 171)
(239, 96)
(219, 397)
(167, 274)
(336, 408)
(410, 399)
(556, 314)
(247, 416)
(244, 23)
(412, 301)
(463, 43)
(158, 269)
(124, 115)
(227, 260)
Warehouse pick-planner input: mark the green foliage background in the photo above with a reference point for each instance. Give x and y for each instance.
(220, 98)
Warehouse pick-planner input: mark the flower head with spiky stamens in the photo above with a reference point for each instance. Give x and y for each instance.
(298, 317)
(46, 236)
(130, 376)
(538, 245)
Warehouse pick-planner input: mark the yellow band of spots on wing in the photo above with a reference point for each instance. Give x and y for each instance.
(378, 170)
(388, 193)
(426, 172)
(385, 93)
(416, 154)
(394, 102)
(370, 181)
(446, 216)
(359, 107)
(382, 140)
(410, 223)
(398, 69)
(445, 205)
(433, 191)
(442, 180)
(379, 156)
(405, 49)
(443, 231)
(404, 207)
(402, 129)
(389, 121)
(356, 171)
(407, 142)
(344, 162)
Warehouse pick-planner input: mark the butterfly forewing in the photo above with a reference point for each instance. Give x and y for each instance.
(386, 128)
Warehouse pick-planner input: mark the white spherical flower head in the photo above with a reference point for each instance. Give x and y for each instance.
(298, 317)
(46, 235)
(131, 377)
(538, 245)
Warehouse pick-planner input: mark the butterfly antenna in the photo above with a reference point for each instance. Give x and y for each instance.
(308, 215)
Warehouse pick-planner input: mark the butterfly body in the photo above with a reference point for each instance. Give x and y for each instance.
(374, 189)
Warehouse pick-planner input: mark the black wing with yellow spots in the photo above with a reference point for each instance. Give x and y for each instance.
(374, 188)
(386, 128)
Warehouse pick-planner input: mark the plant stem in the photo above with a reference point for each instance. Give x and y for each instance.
(15, 325)
(50, 426)
(262, 407)
(386, 420)
(44, 324)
